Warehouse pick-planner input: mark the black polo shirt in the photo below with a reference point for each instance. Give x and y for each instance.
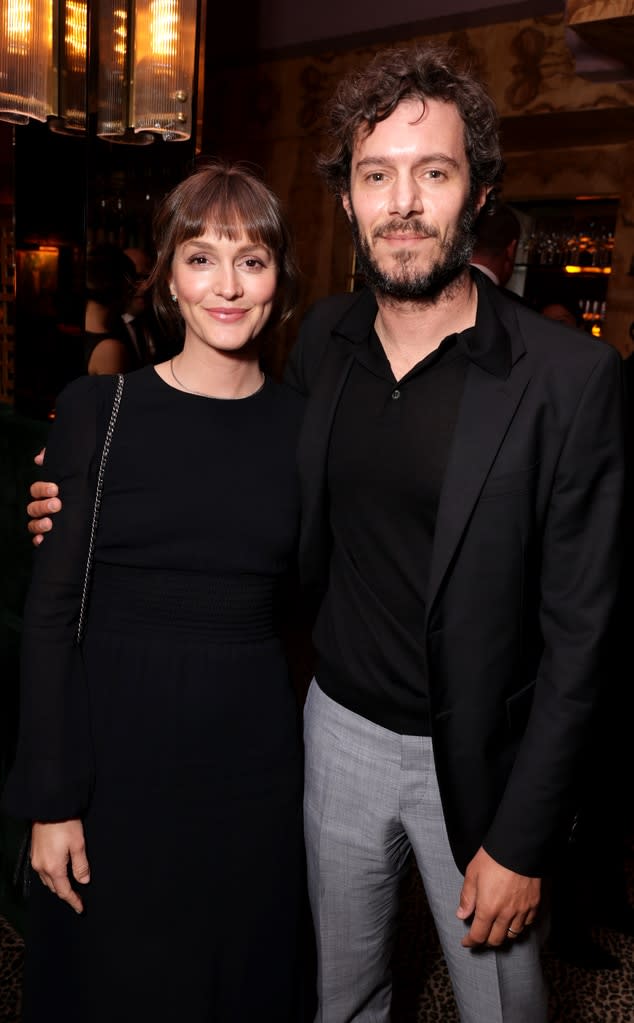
(388, 451)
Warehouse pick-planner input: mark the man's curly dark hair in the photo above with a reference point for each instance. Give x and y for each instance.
(365, 97)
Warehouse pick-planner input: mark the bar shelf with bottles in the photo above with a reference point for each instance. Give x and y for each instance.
(565, 255)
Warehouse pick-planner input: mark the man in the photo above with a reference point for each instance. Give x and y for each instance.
(462, 484)
(497, 233)
(461, 513)
(135, 313)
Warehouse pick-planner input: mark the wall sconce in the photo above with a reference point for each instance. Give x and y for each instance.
(72, 51)
(147, 69)
(28, 77)
(145, 58)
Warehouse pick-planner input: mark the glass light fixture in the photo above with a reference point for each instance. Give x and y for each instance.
(73, 61)
(147, 69)
(28, 68)
(73, 64)
(113, 79)
(164, 67)
(146, 55)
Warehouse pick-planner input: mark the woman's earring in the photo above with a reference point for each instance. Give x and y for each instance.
(174, 298)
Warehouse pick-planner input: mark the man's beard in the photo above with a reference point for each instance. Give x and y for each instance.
(408, 283)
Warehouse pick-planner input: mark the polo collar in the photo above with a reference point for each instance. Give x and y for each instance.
(488, 343)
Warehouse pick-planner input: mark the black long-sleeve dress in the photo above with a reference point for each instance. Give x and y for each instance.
(179, 743)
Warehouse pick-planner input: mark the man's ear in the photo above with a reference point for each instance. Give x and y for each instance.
(482, 198)
(347, 205)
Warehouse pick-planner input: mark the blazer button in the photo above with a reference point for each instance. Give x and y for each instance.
(396, 394)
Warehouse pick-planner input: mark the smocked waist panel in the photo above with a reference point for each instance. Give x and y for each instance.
(236, 609)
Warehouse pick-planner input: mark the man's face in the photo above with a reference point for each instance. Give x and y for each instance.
(409, 203)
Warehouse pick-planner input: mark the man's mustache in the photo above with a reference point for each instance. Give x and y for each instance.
(415, 226)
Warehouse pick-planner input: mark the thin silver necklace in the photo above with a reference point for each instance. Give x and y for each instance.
(201, 394)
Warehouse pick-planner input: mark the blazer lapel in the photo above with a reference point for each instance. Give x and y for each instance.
(486, 411)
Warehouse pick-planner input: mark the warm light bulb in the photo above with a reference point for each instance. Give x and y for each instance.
(163, 28)
(18, 17)
(120, 31)
(76, 29)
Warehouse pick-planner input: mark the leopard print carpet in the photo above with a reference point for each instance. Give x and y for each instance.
(11, 950)
(422, 993)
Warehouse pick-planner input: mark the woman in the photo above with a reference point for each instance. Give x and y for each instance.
(108, 345)
(170, 788)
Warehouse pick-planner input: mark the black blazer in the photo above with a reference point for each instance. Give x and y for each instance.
(524, 568)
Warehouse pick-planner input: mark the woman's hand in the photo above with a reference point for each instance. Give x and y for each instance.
(52, 847)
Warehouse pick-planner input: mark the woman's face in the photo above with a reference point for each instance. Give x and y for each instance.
(225, 289)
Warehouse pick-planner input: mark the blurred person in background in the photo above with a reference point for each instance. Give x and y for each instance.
(110, 286)
(497, 232)
(136, 314)
(562, 312)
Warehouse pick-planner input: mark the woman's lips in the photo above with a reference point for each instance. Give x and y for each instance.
(226, 315)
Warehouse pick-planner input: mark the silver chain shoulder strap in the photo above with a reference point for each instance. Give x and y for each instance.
(95, 515)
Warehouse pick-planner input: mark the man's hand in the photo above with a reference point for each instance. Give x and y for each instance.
(501, 902)
(52, 847)
(46, 503)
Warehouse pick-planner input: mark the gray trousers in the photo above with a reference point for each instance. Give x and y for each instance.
(371, 798)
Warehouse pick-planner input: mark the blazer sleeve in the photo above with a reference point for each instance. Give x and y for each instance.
(294, 370)
(313, 338)
(582, 554)
(52, 774)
